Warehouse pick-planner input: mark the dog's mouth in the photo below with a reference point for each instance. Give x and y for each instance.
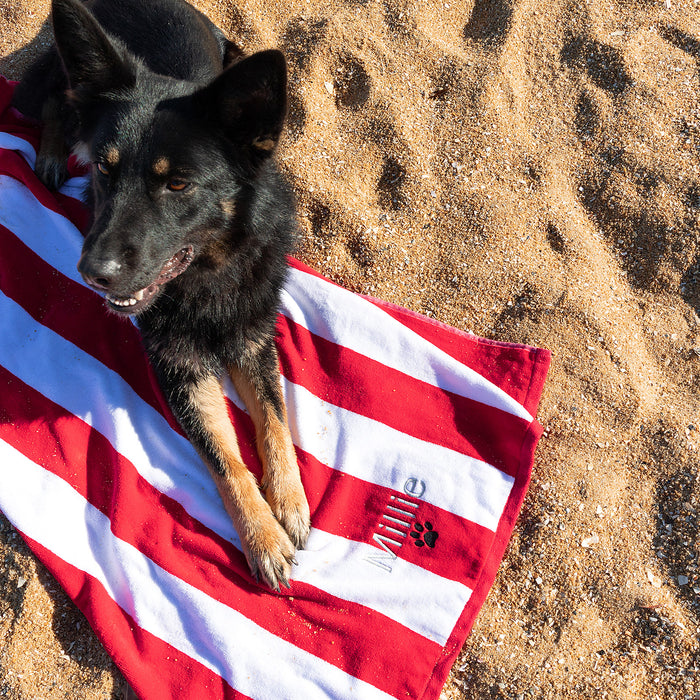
(139, 300)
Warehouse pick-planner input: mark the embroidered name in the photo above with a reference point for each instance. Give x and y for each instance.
(397, 523)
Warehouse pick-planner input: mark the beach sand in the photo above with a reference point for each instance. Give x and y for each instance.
(528, 171)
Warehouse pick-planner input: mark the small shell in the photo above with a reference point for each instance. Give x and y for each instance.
(590, 541)
(654, 580)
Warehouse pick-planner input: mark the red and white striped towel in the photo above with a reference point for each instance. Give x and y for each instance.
(415, 443)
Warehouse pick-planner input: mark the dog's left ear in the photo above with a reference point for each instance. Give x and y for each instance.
(93, 62)
(249, 101)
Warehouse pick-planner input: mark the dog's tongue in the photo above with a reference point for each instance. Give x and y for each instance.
(175, 266)
(172, 268)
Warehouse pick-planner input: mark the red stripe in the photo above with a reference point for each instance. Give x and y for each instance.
(114, 341)
(503, 364)
(364, 386)
(461, 563)
(332, 629)
(538, 375)
(155, 669)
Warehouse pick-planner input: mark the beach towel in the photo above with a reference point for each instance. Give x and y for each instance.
(415, 443)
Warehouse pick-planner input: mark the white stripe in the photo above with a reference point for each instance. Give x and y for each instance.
(347, 319)
(50, 235)
(75, 187)
(48, 510)
(52, 365)
(15, 143)
(379, 454)
(357, 572)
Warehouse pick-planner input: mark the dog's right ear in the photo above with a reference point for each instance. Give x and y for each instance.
(249, 101)
(93, 63)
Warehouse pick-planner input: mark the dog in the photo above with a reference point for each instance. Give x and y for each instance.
(192, 223)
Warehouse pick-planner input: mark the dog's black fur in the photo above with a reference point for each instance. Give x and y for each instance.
(192, 225)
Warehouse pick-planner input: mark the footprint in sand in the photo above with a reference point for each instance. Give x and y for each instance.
(489, 22)
(299, 40)
(685, 42)
(587, 119)
(352, 84)
(602, 63)
(391, 183)
(393, 177)
(556, 240)
(319, 217)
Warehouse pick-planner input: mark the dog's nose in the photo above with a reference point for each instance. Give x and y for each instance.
(100, 274)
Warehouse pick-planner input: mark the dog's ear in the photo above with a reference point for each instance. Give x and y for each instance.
(249, 101)
(93, 63)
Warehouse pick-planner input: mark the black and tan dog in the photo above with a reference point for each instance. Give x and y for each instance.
(192, 224)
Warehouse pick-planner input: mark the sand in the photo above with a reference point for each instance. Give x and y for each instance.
(529, 172)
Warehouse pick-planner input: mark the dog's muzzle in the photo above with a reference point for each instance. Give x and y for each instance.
(138, 301)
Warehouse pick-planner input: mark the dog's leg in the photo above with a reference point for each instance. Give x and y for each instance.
(257, 381)
(52, 158)
(201, 408)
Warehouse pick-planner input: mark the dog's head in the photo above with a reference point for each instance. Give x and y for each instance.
(170, 158)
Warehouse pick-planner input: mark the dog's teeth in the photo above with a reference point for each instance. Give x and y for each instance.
(138, 296)
(122, 302)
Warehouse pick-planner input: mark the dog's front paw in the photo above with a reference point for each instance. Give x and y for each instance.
(51, 170)
(270, 553)
(289, 504)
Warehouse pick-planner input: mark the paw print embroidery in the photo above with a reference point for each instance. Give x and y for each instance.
(424, 534)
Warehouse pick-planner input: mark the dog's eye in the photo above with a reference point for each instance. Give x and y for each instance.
(101, 167)
(177, 184)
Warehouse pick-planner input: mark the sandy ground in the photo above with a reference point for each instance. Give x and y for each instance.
(528, 171)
